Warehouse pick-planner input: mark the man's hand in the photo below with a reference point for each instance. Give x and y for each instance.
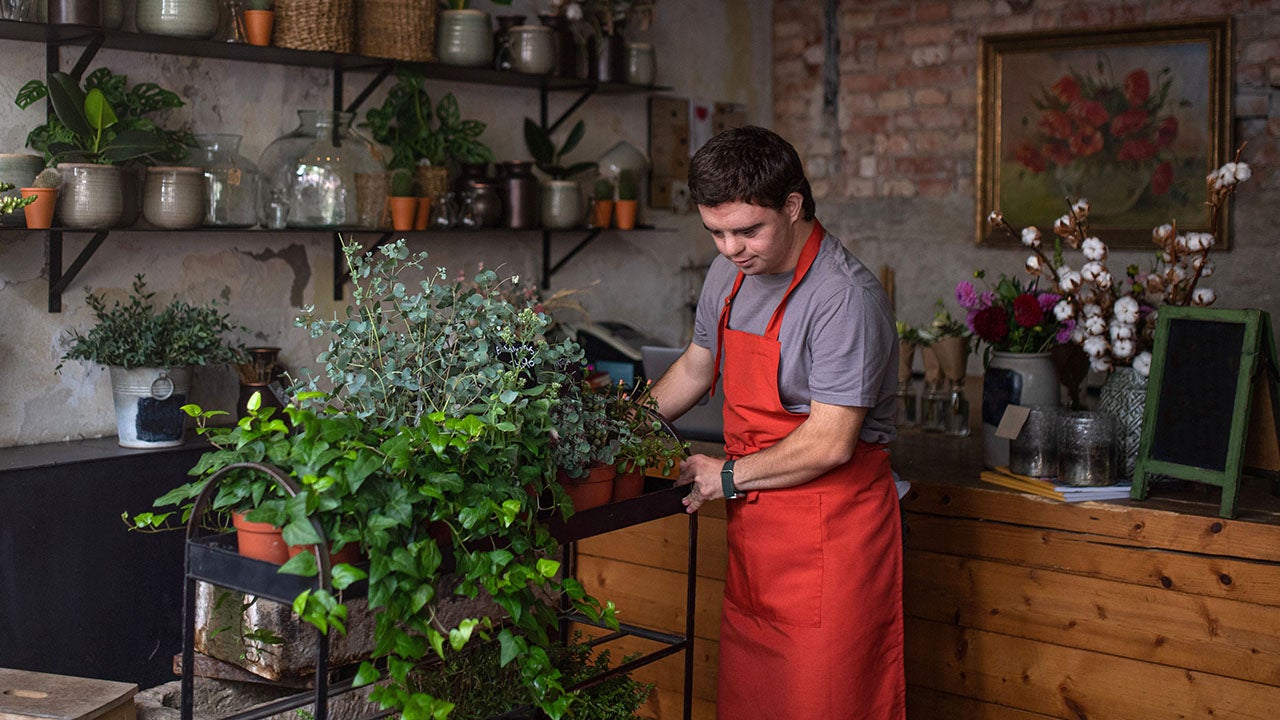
(702, 474)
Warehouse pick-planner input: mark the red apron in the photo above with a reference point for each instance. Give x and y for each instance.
(812, 621)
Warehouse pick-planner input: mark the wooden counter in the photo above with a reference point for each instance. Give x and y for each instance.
(1019, 607)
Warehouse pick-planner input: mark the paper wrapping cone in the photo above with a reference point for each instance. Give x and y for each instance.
(906, 356)
(932, 369)
(952, 354)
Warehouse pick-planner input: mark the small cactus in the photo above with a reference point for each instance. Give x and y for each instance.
(604, 189)
(48, 178)
(627, 184)
(401, 183)
(259, 4)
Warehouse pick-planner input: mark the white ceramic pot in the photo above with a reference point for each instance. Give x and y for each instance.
(91, 195)
(562, 205)
(148, 404)
(183, 18)
(1028, 379)
(174, 197)
(532, 49)
(464, 37)
(641, 67)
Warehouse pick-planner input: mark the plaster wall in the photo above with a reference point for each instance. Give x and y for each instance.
(712, 49)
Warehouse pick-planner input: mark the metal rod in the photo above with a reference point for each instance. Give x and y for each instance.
(586, 94)
(690, 612)
(576, 249)
(87, 55)
(377, 80)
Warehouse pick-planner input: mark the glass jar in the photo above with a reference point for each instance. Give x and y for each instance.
(956, 415)
(934, 408)
(1086, 448)
(1035, 451)
(905, 414)
(322, 171)
(231, 180)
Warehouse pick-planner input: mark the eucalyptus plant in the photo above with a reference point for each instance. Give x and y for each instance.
(106, 121)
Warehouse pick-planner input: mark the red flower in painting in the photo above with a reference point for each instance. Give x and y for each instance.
(1129, 122)
(1085, 143)
(1058, 153)
(991, 324)
(1137, 149)
(1055, 124)
(1137, 87)
(1162, 178)
(1027, 311)
(1067, 89)
(1030, 157)
(1089, 112)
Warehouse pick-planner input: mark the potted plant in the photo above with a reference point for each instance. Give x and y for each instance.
(561, 197)
(602, 208)
(423, 138)
(93, 133)
(44, 188)
(402, 201)
(647, 444)
(150, 351)
(625, 207)
(436, 438)
(464, 36)
(258, 20)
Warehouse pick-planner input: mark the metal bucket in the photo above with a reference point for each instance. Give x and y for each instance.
(149, 405)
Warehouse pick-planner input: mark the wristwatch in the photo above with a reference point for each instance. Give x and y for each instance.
(726, 481)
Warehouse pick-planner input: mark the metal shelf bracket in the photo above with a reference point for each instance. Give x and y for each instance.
(60, 280)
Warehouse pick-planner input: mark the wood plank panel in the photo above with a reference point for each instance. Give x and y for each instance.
(652, 598)
(664, 543)
(1122, 523)
(1070, 683)
(1245, 580)
(1212, 635)
(929, 704)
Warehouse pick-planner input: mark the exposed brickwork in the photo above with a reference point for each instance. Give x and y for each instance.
(908, 78)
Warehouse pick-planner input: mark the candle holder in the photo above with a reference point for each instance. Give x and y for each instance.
(1035, 451)
(1086, 449)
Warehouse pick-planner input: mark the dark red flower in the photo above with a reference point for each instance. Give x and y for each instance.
(1162, 178)
(1128, 122)
(1057, 152)
(1167, 132)
(1055, 124)
(1090, 112)
(1137, 87)
(1085, 143)
(1027, 311)
(1067, 89)
(1030, 157)
(1137, 149)
(991, 324)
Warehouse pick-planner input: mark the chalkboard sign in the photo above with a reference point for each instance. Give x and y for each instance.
(1205, 365)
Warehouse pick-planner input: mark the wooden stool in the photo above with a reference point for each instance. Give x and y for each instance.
(41, 696)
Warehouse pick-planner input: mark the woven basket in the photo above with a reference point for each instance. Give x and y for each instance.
(397, 29)
(324, 25)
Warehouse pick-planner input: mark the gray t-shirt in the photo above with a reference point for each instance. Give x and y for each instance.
(839, 343)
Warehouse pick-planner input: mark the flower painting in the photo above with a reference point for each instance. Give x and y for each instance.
(1132, 119)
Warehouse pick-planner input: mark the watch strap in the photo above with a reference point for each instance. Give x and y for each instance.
(726, 480)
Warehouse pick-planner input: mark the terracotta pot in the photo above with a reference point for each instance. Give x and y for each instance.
(349, 554)
(260, 541)
(628, 484)
(40, 213)
(592, 490)
(422, 214)
(403, 210)
(624, 214)
(601, 213)
(258, 24)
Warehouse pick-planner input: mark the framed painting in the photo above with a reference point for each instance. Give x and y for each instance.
(1132, 119)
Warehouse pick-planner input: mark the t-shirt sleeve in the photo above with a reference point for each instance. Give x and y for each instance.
(852, 342)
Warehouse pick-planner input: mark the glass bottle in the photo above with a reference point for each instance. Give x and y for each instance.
(905, 414)
(956, 420)
(934, 408)
(470, 215)
(322, 169)
(443, 214)
(231, 181)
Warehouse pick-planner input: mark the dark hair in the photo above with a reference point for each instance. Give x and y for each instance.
(748, 164)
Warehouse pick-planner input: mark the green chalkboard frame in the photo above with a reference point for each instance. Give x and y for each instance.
(1257, 351)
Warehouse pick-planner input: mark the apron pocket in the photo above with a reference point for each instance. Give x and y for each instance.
(776, 542)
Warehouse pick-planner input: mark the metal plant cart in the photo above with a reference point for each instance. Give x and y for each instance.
(213, 558)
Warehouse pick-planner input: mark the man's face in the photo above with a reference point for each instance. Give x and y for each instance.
(760, 241)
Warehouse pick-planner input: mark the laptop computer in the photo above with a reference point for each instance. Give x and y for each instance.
(704, 421)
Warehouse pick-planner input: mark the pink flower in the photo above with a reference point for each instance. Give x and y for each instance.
(1047, 301)
(1064, 332)
(966, 295)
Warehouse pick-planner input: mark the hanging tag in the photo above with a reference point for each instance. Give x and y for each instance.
(1015, 416)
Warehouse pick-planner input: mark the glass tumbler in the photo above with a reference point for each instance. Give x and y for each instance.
(1035, 451)
(1086, 449)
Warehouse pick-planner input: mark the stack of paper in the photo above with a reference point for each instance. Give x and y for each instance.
(1045, 487)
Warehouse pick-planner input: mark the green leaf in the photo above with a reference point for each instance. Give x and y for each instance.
(98, 111)
(547, 568)
(575, 137)
(68, 103)
(366, 675)
(510, 647)
(539, 143)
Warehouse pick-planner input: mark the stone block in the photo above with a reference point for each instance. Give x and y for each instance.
(215, 699)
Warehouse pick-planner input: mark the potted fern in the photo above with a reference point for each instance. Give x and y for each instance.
(150, 352)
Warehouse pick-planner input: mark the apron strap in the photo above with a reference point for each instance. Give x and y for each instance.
(720, 328)
(810, 251)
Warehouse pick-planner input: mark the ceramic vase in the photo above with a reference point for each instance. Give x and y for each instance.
(464, 37)
(91, 195)
(519, 192)
(561, 204)
(1013, 379)
(1124, 398)
(182, 18)
(173, 198)
(148, 404)
(641, 67)
(74, 12)
(532, 49)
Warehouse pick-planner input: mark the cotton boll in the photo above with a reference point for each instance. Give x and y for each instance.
(996, 217)
(1204, 265)
(1063, 225)
(1034, 266)
(1101, 365)
(1095, 325)
(1126, 310)
(1078, 334)
(1081, 208)
(1153, 283)
(1031, 236)
(1121, 331)
(1064, 310)
(1090, 271)
(1203, 297)
(1161, 234)
(1069, 281)
(1180, 243)
(1091, 310)
(1243, 172)
(1104, 280)
(1142, 363)
(1094, 249)
(1096, 346)
(1122, 349)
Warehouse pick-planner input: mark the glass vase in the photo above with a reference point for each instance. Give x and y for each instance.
(322, 172)
(1124, 397)
(230, 179)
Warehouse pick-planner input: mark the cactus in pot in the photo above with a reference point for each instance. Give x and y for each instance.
(627, 203)
(41, 199)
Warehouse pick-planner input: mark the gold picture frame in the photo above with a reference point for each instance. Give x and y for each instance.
(1131, 118)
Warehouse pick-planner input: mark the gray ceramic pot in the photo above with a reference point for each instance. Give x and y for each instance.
(183, 18)
(174, 197)
(91, 195)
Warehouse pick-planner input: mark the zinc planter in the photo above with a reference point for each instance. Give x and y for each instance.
(149, 405)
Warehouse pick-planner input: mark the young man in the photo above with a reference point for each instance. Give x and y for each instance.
(799, 336)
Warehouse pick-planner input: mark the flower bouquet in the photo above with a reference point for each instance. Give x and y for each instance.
(1011, 316)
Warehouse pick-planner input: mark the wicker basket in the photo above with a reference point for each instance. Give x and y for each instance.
(324, 25)
(397, 29)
